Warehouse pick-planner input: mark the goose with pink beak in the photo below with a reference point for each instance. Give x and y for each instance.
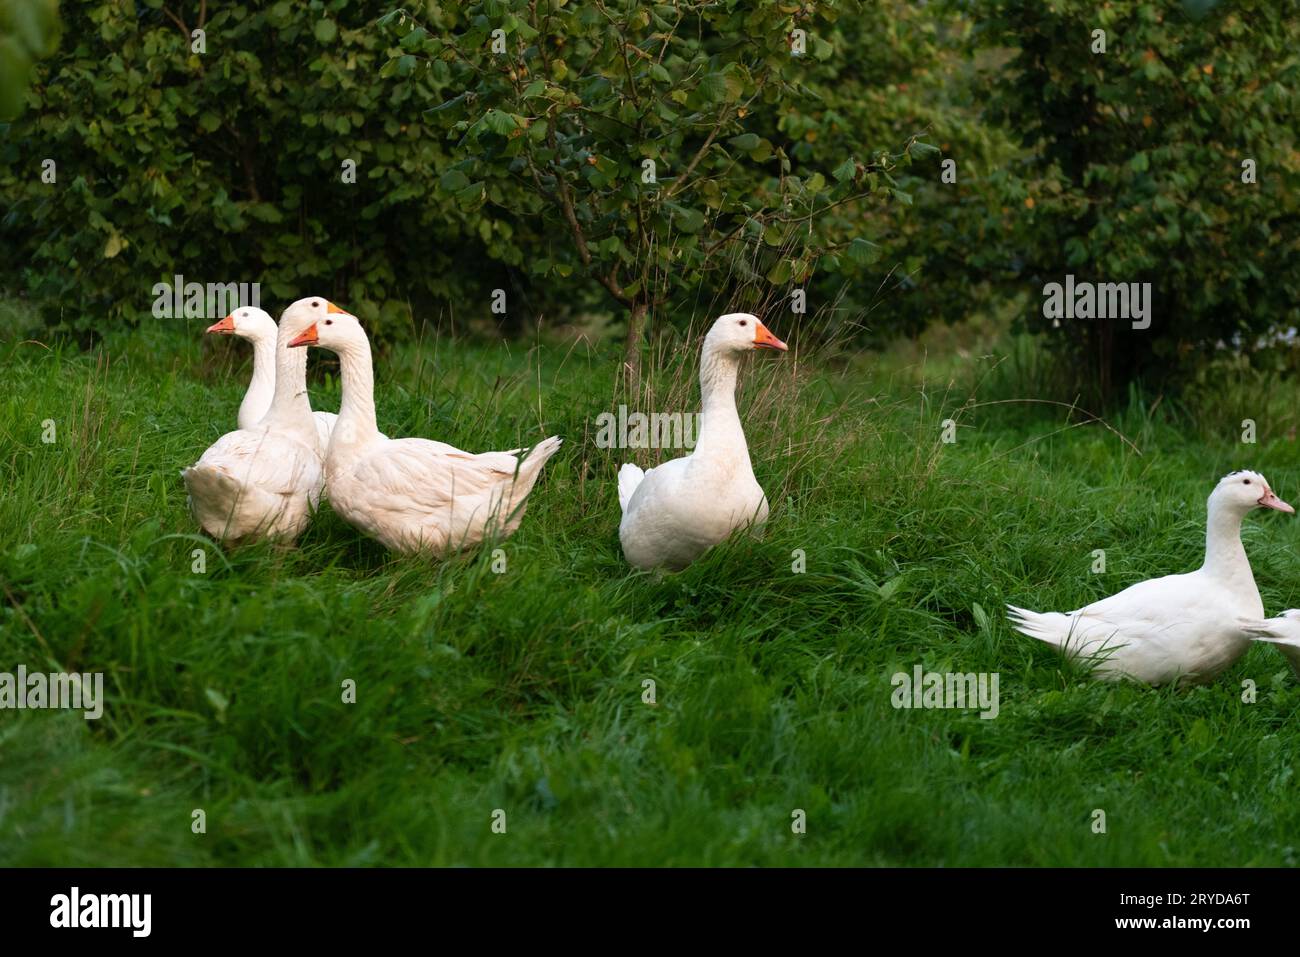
(1183, 629)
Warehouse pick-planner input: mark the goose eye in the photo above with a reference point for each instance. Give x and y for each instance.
(1245, 481)
(329, 322)
(744, 322)
(315, 304)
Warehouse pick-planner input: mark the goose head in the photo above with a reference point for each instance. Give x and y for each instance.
(247, 322)
(1240, 492)
(740, 332)
(298, 320)
(335, 330)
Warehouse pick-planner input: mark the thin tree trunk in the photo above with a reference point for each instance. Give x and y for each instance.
(636, 323)
(1106, 328)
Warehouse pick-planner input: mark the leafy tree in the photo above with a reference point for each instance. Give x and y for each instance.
(906, 68)
(656, 145)
(1170, 158)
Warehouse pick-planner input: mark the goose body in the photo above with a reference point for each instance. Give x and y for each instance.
(676, 511)
(414, 495)
(257, 326)
(265, 481)
(1180, 628)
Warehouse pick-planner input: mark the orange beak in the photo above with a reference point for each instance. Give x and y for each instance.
(225, 327)
(309, 337)
(330, 307)
(763, 339)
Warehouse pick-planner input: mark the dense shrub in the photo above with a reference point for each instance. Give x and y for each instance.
(228, 165)
(1135, 171)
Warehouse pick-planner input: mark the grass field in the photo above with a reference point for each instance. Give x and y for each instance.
(523, 690)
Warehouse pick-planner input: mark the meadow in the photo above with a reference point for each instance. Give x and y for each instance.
(523, 689)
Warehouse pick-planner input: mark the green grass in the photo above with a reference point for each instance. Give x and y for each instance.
(523, 691)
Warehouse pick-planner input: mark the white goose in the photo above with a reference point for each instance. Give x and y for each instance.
(265, 481)
(413, 495)
(257, 326)
(676, 511)
(1185, 628)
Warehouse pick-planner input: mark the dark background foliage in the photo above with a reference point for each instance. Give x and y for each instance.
(777, 171)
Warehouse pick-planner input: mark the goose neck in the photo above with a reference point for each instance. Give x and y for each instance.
(261, 388)
(290, 407)
(1225, 556)
(720, 430)
(356, 426)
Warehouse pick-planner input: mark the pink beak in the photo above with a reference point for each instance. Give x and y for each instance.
(1272, 501)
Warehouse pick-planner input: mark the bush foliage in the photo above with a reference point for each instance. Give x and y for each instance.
(1136, 167)
(898, 162)
(224, 155)
(655, 148)
(229, 164)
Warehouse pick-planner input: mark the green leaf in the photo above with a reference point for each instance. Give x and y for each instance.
(734, 83)
(325, 30)
(471, 194)
(447, 104)
(453, 180)
(746, 141)
(846, 170)
(862, 251)
(265, 212)
(503, 124)
(780, 273)
(414, 39)
(714, 87)
(688, 220)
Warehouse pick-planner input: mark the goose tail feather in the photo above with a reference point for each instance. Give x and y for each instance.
(1051, 626)
(629, 477)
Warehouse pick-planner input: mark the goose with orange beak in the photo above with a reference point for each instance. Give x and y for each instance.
(1182, 629)
(676, 511)
(256, 326)
(265, 481)
(413, 495)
